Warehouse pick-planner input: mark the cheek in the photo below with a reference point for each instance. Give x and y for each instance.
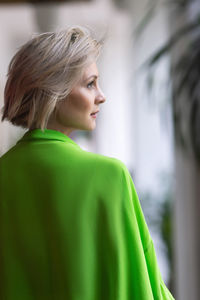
(81, 103)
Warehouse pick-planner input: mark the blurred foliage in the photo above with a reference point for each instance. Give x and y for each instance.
(185, 71)
(158, 214)
(39, 1)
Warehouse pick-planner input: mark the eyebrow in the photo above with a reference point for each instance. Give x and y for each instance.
(95, 76)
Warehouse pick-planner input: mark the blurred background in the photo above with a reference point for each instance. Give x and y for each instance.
(149, 72)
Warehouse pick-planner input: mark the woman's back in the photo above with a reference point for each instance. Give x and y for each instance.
(71, 225)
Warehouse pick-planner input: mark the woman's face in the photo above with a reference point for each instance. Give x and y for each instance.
(75, 111)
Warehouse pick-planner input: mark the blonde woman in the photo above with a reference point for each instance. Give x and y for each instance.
(71, 224)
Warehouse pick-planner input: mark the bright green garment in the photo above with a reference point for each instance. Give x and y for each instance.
(71, 225)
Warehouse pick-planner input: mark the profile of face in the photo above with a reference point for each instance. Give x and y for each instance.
(75, 112)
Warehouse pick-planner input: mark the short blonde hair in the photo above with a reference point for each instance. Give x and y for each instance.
(44, 71)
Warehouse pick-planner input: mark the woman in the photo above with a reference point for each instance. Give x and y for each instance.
(71, 224)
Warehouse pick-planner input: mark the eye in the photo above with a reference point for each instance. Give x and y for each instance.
(90, 84)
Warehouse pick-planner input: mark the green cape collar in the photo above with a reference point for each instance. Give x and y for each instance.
(47, 134)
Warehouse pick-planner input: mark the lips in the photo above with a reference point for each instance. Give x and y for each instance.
(95, 112)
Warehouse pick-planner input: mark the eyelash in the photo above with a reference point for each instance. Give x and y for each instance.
(92, 82)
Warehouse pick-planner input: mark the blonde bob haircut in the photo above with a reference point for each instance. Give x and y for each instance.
(44, 71)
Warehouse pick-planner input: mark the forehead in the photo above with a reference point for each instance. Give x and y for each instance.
(91, 70)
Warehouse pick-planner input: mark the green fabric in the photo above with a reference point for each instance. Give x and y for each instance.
(71, 225)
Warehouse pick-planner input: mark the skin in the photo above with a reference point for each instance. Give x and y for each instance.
(74, 113)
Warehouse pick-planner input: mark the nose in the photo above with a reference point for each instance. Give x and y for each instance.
(101, 97)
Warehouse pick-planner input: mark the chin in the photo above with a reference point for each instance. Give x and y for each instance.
(92, 126)
(88, 127)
